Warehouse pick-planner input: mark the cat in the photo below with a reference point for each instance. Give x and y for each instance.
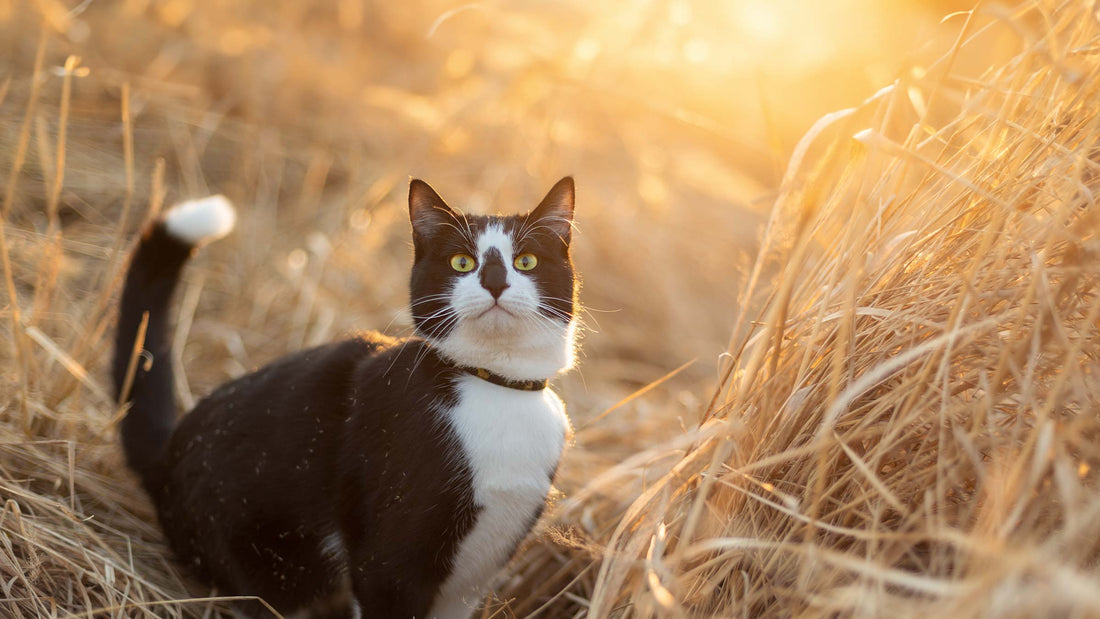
(374, 476)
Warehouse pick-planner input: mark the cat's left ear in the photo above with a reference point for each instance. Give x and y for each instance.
(427, 211)
(555, 212)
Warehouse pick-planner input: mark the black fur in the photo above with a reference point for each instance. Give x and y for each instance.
(344, 439)
(150, 282)
(342, 434)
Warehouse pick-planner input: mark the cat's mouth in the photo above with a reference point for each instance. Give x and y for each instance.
(493, 308)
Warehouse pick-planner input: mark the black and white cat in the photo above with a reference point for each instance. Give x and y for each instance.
(371, 477)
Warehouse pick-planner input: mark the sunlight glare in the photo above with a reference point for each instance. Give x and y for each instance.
(762, 19)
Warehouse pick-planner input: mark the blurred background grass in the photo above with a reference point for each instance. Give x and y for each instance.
(676, 118)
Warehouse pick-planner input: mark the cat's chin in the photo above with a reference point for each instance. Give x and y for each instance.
(497, 328)
(497, 318)
(510, 345)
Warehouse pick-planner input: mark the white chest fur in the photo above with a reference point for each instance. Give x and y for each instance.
(512, 440)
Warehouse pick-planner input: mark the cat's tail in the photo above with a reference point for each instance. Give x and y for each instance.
(151, 279)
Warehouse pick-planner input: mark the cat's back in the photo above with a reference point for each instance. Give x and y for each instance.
(277, 422)
(302, 386)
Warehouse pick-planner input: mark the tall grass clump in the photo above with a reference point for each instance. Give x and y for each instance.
(910, 426)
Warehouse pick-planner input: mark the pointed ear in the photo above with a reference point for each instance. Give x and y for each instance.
(427, 211)
(555, 212)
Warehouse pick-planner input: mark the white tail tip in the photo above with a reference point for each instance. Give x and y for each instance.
(197, 222)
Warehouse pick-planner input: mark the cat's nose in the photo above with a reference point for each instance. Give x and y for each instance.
(494, 278)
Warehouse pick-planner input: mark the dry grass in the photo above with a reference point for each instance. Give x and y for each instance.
(909, 427)
(906, 419)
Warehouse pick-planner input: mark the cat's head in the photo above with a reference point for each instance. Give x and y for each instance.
(495, 292)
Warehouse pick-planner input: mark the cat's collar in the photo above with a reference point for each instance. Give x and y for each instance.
(503, 381)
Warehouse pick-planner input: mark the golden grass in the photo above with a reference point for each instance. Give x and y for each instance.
(909, 427)
(906, 419)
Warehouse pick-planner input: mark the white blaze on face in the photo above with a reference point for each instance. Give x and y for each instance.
(495, 236)
(515, 340)
(520, 299)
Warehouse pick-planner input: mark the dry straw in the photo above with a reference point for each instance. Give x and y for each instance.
(908, 426)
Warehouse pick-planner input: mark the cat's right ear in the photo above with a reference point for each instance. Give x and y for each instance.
(427, 211)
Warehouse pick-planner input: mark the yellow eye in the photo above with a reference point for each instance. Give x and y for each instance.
(462, 263)
(526, 262)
